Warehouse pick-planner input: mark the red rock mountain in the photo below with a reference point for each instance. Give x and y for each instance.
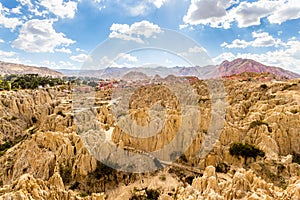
(239, 66)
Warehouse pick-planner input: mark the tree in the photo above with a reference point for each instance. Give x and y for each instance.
(246, 151)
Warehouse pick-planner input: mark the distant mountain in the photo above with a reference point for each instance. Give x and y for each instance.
(12, 68)
(239, 66)
(133, 75)
(225, 69)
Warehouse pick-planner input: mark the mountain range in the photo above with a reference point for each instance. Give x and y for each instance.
(13, 68)
(225, 69)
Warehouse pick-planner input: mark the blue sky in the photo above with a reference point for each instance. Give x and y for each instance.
(61, 34)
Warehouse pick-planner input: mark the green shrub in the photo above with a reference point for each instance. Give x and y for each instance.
(6, 145)
(102, 170)
(65, 173)
(245, 151)
(222, 168)
(294, 111)
(296, 158)
(83, 194)
(162, 177)
(13, 118)
(152, 194)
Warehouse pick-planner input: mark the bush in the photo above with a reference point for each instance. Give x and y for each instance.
(83, 194)
(294, 111)
(296, 158)
(65, 173)
(152, 194)
(162, 177)
(102, 170)
(245, 151)
(6, 145)
(14, 118)
(222, 168)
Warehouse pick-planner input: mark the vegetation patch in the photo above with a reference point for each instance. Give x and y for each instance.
(5, 146)
(296, 158)
(246, 151)
(145, 194)
(295, 111)
(162, 177)
(222, 168)
(65, 173)
(27, 81)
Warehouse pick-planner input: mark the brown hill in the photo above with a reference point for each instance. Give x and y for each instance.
(13, 68)
(240, 65)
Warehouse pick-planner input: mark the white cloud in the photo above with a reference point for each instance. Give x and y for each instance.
(224, 56)
(8, 22)
(237, 43)
(105, 61)
(261, 39)
(63, 50)
(1, 41)
(26, 3)
(67, 65)
(40, 36)
(135, 31)
(16, 10)
(133, 8)
(197, 49)
(286, 11)
(5, 54)
(60, 8)
(249, 14)
(80, 57)
(127, 57)
(209, 12)
(183, 26)
(79, 50)
(158, 3)
(221, 13)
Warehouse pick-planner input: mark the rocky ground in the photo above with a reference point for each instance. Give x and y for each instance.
(43, 157)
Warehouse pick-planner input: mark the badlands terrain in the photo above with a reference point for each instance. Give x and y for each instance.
(43, 157)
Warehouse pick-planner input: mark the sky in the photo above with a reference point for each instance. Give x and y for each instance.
(62, 34)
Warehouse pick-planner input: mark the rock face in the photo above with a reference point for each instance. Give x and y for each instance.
(12, 68)
(42, 157)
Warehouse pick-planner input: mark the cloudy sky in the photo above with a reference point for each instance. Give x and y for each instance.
(62, 33)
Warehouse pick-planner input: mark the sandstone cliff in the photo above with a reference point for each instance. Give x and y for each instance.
(42, 156)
